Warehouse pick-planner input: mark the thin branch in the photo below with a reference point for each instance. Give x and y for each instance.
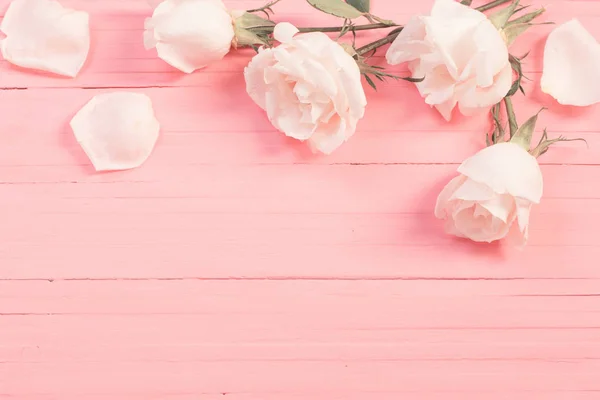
(340, 28)
(377, 44)
(491, 5)
(265, 7)
(510, 112)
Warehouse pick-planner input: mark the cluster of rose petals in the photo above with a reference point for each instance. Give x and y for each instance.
(462, 57)
(496, 187)
(309, 86)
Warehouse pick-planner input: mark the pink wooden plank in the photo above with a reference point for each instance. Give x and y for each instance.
(198, 129)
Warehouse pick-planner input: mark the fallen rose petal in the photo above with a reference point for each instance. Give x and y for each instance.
(117, 130)
(572, 65)
(44, 35)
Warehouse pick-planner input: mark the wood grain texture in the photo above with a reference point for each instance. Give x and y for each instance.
(236, 265)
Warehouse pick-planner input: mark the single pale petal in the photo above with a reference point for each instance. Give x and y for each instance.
(284, 32)
(409, 44)
(314, 45)
(497, 229)
(572, 65)
(116, 130)
(442, 87)
(331, 135)
(491, 54)
(471, 190)
(500, 206)
(446, 108)
(523, 211)
(284, 113)
(452, 27)
(44, 35)
(148, 35)
(190, 34)
(479, 225)
(476, 98)
(349, 81)
(506, 168)
(446, 194)
(254, 75)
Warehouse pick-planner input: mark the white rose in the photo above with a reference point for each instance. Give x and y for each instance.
(497, 187)
(190, 34)
(309, 86)
(462, 56)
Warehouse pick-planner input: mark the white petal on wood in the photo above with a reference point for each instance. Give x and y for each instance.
(117, 130)
(44, 35)
(572, 65)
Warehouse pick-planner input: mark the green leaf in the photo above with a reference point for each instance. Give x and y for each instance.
(512, 119)
(501, 17)
(498, 132)
(545, 143)
(370, 82)
(515, 63)
(466, 3)
(244, 37)
(336, 7)
(527, 17)
(360, 5)
(249, 21)
(413, 80)
(525, 132)
(513, 31)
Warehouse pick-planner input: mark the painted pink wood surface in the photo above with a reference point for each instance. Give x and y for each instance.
(236, 265)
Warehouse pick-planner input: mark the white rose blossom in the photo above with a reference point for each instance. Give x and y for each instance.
(460, 53)
(496, 188)
(190, 34)
(309, 86)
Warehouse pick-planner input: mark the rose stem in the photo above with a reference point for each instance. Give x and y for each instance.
(510, 112)
(491, 5)
(377, 44)
(351, 28)
(265, 7)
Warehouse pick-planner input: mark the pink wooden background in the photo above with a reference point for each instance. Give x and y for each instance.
(236, 265)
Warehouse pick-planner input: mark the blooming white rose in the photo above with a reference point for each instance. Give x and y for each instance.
(190, 34)
(461, 55)
(309, 86)
(497, 187)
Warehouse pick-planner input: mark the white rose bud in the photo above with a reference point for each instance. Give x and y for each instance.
(497, 187)
(309, 86)
(190, 34)
(461, 54)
